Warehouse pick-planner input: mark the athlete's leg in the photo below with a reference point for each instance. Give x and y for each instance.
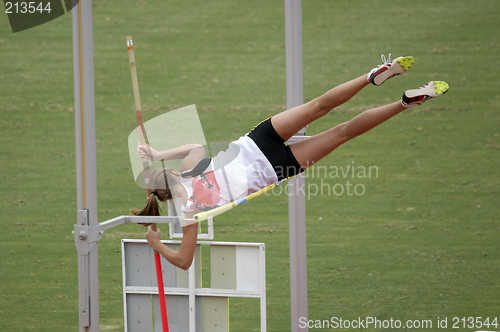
(311, 150)
(291, 121)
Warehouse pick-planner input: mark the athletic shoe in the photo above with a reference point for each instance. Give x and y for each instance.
(431, 90)
(389, 69)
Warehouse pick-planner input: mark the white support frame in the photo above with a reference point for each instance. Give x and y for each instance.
(192, 291)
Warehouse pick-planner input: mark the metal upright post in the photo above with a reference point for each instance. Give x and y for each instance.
(86, 236)
(296, 198)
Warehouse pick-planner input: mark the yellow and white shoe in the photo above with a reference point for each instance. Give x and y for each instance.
(418, 96)
(389, 69)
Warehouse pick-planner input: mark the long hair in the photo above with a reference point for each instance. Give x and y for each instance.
(160, 180)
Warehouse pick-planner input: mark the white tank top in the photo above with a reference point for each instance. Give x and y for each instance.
(232, 174)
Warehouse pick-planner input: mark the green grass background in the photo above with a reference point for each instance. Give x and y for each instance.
(421, 243)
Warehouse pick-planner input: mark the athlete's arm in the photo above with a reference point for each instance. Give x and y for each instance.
(182, 258)
(189, 150)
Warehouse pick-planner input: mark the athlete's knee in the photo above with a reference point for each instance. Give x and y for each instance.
(321, 109)
(342, 132)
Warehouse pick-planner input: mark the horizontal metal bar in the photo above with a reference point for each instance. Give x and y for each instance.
(152, 220)
(212, 243)
(137, 220)
(198, 291)
(113, 223)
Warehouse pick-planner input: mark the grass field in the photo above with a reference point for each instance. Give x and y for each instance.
(421, 242)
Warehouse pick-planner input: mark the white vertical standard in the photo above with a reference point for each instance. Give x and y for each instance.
(296, 198)
(85, 237)
(192, 298)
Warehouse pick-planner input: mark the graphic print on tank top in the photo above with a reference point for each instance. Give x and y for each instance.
(206, 192)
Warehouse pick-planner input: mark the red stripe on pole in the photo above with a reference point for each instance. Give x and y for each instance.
(161, 293)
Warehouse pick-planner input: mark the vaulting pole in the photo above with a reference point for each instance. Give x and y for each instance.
(145, 165)
(296, 186)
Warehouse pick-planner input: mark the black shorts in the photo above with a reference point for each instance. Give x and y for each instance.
(276, 151)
